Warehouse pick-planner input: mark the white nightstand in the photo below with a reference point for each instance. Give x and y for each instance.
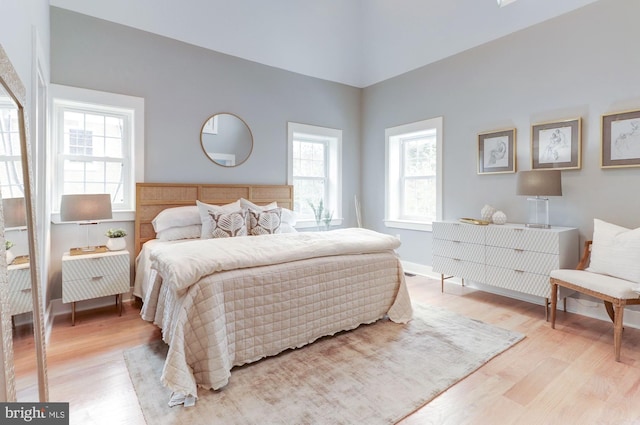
(20, 299)
(95, 275)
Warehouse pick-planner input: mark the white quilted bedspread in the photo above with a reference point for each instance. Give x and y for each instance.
(220, 316)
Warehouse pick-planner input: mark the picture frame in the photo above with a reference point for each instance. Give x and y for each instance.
(497, 152)
(620, 145)
(557, 145)
(211, 126)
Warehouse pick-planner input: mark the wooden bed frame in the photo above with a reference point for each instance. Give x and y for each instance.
(151, 198)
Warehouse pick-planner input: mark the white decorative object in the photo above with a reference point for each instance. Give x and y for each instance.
(487, 212)
(499, 217)
(116, 244)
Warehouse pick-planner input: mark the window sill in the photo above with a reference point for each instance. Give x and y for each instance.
(408, 225)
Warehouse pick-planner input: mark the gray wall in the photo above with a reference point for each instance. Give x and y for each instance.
(583, 64)
(182, 86)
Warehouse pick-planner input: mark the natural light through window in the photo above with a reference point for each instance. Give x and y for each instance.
(315, 172)
(99, 140)
(413, 174)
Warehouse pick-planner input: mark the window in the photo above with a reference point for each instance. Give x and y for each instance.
(10, 159)
(98, 141)
(315, 171)
(414, 175)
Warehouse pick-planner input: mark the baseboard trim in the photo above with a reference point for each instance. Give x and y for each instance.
(577, 303)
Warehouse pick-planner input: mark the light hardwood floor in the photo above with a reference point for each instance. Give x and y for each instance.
(562, 376)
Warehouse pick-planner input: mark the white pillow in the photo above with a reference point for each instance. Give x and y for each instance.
(176, 217)
(176, 233)
(289, 217)
(287, 228)
(615, 251)
(250, 205)
(205, 218)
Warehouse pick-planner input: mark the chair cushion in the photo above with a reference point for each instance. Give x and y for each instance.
(604, 284)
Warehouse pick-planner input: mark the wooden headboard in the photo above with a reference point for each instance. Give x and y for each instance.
(151, 198)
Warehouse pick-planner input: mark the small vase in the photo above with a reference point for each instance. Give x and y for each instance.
(10, 257)
(116, 244)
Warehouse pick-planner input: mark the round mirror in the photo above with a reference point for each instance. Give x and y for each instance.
(226, 139)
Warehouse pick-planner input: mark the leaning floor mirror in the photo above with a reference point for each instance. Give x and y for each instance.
(23, 364)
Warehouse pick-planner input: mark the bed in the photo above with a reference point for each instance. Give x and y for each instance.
(226, 302)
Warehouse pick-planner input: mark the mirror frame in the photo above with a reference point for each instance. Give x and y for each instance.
(10, 80)
(202, 141)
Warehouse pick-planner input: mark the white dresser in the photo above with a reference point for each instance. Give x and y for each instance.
(95, 275)
(510, 256)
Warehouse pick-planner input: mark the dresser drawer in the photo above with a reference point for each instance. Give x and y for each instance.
(19, 278)
(94, 287)
(91, 267)
(459, 250)
(520, 281)
(459, 232)
(517, 259)
(460, 268)
(523, 238)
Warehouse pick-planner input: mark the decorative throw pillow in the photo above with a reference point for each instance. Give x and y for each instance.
(228, 224)
(244, 203)
(204, 209)
(615, 251)
(264, 222)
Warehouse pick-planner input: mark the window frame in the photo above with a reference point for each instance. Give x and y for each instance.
(394, 193)
(100, 102)
(333, 168)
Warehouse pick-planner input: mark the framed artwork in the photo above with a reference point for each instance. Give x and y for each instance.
(557, 145)
(497, 152)
(620, 140)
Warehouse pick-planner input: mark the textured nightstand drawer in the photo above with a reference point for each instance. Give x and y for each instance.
(538, 240)
(90, 266)
(20, 301)
(459, 232)
(517, 259)
(19, 278)
(94, 287)
(460, 268)
(459, 250)
(520, 281)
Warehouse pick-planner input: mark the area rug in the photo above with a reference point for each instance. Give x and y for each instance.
(375, 374)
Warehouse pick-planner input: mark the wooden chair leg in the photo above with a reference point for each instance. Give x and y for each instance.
(554, 303)
(617, 330)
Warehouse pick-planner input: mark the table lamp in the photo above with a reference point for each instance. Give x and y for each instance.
(86, 209)
(538, 184)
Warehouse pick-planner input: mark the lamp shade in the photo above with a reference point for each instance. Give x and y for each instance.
(85, 207)
(539, 183)
(14, 212)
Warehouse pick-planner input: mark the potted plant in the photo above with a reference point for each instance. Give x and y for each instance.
(116, 241)
(10, 255)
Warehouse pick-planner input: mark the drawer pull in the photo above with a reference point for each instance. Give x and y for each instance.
(518, 249)
(25, 290)
(519, 271)
(518, 230)
(97, 277)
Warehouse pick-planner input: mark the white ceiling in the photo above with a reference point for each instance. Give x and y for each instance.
(355, 42)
